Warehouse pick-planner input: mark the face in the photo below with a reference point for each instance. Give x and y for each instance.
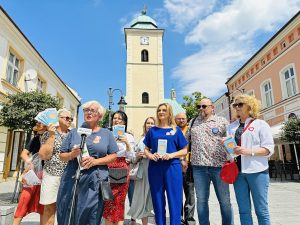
(149, 123)
(65, 119)
(181, 120)
(118, 120)
(40, 128)
(162, 113)
(241, 108)
(91, 114)
(205, 108)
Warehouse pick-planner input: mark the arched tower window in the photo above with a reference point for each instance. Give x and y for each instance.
(144, 56)
(145, 98)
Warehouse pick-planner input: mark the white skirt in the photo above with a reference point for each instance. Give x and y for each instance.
(49, 188)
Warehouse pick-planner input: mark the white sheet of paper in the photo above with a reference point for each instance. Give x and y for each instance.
(31, 178)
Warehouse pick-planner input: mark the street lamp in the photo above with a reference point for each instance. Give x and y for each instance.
(121, 103)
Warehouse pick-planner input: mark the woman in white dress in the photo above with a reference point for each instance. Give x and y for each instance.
(141, 206)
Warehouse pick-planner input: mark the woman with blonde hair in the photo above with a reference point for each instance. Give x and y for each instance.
(164, 145)
(141, 202)
(254, 146)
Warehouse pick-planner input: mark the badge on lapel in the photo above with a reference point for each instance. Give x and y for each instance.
(215, 130)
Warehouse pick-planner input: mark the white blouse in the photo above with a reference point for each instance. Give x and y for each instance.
(257, 135)
(122, 147)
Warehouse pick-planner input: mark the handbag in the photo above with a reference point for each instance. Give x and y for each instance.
(229, 172)
(118, 175)
(106, 191)
(136, 171)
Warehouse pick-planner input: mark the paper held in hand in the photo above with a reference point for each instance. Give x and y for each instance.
(48, 116)
(230, 144)
(162, 146)
(31, 178)
(118, 130)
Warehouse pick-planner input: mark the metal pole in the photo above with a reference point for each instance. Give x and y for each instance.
(110, 102)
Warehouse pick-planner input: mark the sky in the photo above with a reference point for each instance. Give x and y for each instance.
(205, 41)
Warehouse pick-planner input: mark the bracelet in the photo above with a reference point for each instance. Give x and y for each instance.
(252, 153)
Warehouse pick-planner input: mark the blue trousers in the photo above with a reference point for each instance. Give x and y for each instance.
(203, 176)
(166, 177)
(257, 184)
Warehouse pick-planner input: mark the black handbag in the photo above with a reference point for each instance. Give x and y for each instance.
(106, 191)
(118, 175)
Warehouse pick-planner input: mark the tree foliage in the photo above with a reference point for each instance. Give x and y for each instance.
(291, 131)
(21, 108)
(104, 121)
(190, 104)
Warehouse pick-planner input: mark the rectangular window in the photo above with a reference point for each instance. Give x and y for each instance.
(12, 72)
(40, 85)
(283, 45)
(290, 83)
(268, 94)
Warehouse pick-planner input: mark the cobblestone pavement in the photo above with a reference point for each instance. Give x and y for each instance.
(284, 204)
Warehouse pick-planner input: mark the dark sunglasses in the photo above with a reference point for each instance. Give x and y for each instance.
(240, 105)
(202, 106)
(67, 118)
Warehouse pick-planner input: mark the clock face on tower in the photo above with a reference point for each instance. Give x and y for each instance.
(144, 40)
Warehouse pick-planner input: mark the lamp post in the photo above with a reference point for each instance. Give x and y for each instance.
(121, 103)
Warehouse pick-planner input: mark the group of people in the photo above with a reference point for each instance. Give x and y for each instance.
(174, 157)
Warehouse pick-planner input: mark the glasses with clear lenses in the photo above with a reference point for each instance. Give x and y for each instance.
(91, 111)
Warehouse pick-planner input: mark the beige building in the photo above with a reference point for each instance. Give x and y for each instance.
(272, 75)
(23, 69)
(222, 107)
(144, 71)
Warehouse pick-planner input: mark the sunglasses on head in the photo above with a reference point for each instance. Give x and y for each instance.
(202, 106)
(67, 118)
(240, 105)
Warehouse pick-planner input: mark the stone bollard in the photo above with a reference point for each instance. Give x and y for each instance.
(6, 214)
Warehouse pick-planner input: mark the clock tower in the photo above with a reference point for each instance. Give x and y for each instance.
(144, 71)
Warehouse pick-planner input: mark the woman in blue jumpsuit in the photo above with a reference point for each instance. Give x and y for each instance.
(102, 149)
(165, 144)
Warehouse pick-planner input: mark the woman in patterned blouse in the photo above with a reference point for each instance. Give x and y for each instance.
(54, 167)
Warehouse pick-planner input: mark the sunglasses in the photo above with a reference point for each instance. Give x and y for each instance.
(202, 106)
(240, 105)
(67, 118)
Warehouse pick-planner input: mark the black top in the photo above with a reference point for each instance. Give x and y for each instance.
(238, 137)
(34, 145)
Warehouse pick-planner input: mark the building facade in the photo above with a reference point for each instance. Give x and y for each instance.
(144, 71)
(272, 75)
(222, 107)
(23, 69)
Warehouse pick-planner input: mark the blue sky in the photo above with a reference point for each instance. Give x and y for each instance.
(205, 41)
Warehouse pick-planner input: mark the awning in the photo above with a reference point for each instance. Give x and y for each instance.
(276, 131)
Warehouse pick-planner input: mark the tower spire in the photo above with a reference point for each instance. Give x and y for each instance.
(144, 12)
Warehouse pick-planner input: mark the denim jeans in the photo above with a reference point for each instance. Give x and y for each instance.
(258, 185)
(130, 191)
(203, 175)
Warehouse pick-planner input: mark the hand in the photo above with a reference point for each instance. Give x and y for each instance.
(88, 162)
(153, 157)
(51, 129)
(238, 150)
(167, 156)
(184, 166)
(75, 152)
(122, 138)
(140, 155)
(221, 141)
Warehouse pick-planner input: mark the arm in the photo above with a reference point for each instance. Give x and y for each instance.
(151, 156)
(25, 156)
(88, 162)
(177, 154)
(46, 149)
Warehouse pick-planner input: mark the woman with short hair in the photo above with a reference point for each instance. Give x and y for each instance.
(102, 150)
(254, 146)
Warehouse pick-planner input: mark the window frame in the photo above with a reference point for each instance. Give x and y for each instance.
(145, 95)
(263, 93)
(283, 80)
(10, 76)
(145, 53)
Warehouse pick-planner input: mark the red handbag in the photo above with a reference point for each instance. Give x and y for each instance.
(229, 172)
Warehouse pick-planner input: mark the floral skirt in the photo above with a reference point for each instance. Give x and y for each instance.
(114, 210)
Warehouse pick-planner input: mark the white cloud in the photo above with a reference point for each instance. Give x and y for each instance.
(225, 39)
(183, 13)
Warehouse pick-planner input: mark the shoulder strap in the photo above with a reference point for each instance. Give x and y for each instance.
(190, 144)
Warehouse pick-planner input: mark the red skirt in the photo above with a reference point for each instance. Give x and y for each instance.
(114, 210)
(29, 202)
